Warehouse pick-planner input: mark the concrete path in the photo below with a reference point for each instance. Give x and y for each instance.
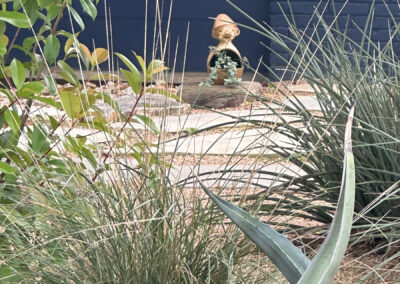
(310, 102)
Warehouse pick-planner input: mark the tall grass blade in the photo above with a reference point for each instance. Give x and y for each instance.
(325, 263)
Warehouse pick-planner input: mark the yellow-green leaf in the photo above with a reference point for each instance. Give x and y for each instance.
(3, 48)
(141, 61)
(86, 55)
(71, 103)
(4, 39)
(100, 55)
(155, 66)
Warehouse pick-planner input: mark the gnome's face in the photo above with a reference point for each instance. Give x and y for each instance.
(226, 33)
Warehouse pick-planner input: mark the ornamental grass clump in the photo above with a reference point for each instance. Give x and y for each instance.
(341, 72)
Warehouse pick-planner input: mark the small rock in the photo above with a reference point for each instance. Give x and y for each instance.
(123, 86)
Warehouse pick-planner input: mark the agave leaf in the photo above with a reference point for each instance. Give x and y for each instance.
(287, 257)
(325, 263)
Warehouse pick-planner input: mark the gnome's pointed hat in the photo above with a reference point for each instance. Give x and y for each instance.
(222, 20)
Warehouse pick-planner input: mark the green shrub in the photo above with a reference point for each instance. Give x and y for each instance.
(70, 212)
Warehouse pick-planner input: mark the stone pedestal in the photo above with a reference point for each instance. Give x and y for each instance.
(217, 96)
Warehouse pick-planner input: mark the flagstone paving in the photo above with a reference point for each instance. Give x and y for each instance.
(211, 119)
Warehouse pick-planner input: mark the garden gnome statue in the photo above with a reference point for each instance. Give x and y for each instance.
(225, 30)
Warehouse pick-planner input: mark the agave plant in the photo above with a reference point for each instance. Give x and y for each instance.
(296, 267)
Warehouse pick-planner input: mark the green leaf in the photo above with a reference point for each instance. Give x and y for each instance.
(15, 18)
(287, 257)
(49, 101)
(77, 18)
(28, 43)
(70, 40)
(53, 12)
(16, 159)
(50, 84)
(51, 49)
(18, 74)
(133, 80)
(13, 120)
(109, 100)
(141, 61)
(89, 155)
(148, 122)
(7, 169)
(71, 103)
(45, 3)
(30, 88)
(34, 16)
(88, 100)
(39, 143)
(25, 155)
(326, 262)
(68, 73)
(89, 8)
(53, 123)
(43, 29)
(127, 62)
(96, 125)
(133, 75)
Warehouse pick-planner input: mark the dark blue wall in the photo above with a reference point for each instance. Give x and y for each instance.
(355, 13)
(128, 28)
